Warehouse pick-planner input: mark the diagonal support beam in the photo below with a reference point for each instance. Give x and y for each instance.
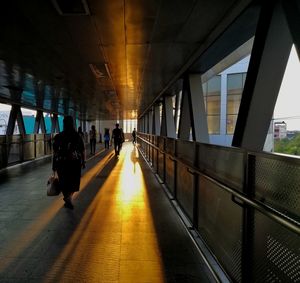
(185, 117)
(156, 120)
(39, 123)
(266, 69)
(198, 113)
(15, 116)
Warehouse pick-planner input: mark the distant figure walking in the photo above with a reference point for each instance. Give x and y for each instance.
(134, 136)
(68, 159)
(106, 138)
(117, 137)
(93, 139)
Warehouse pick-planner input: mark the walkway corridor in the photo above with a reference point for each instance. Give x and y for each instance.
(123, 227)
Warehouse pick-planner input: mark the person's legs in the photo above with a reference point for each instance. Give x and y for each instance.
(68, 199)
(116, 148)
(91, 146)
(119, 146)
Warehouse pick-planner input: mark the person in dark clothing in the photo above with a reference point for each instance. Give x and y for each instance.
(80, 133)
(106, 138)
(134, 136)
(117, 137)
(68, 159)
(93, 139)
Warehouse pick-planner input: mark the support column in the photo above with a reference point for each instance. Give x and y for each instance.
(177, 107)
(185, 117)
(271, 49)
(151, 121)
(169, 117)
(198, 113)
(15, 116)
(157, 120)
(39, 122)
(163, 126)
(146, 123)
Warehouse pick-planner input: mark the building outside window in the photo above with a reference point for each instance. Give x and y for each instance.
(235, 86)
(280, 131)
(212, 100)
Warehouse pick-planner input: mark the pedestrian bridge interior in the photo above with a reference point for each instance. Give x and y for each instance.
(177, 206)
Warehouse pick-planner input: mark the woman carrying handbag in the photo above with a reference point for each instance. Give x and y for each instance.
(68, 159)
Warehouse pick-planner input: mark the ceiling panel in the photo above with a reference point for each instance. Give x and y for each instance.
(139, 46)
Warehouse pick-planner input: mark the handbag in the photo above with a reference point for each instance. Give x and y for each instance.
(53, 185)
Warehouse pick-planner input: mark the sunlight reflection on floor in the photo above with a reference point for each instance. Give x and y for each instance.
(115, 240)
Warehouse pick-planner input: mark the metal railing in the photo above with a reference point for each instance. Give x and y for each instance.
(244, 205)
(20, 148)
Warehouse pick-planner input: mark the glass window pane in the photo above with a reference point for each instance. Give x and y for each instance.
(213, 105)
(213, 123)
(234, 84)
(214, 86)
(231, 122)
(233, 104)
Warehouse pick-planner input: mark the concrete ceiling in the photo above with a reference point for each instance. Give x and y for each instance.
(113, 62)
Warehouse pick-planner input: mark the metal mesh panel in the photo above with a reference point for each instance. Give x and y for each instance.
(185, 192)
(48, 144)
(224, 164)
(14, 149)
(161, 166)
(40, 149)
(28, 147)
(170, 146)
(276, 252)
(186, 151)
(161, 143)
(276, 182)
(155, 160)
(151, 155)
(170, 175)
(220, 224)
(148, 151)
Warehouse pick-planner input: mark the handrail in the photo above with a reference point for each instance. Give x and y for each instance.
(275, 215)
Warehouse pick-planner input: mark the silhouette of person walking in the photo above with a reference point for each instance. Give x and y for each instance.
(106, 138)
(93, 139)
(68, 159)
(134, 136)
(117, 137)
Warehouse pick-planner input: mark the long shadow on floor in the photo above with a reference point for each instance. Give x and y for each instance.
(29, 252)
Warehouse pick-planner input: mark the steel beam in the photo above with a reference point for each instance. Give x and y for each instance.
(266, 69)
(185, 117)
(198, 113)
(169, 117)
(15, 116)
(39, 123)
(157, 120)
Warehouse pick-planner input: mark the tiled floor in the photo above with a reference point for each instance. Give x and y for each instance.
(123, 228)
